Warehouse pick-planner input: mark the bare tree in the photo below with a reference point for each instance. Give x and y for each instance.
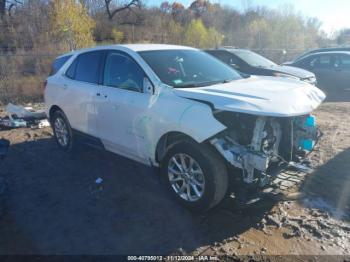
(127, 6)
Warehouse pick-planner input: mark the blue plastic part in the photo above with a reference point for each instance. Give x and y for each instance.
(310, 121)
(307, 144)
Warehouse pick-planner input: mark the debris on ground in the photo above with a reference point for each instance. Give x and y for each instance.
(24, 112)
(20, 117)
(311, 223)
(43, 123)
(99, 180)
(42, 183)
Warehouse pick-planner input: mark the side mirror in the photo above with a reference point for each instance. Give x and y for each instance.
(147, 86)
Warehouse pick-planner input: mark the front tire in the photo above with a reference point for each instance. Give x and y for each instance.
(195, 174)
(62, 131)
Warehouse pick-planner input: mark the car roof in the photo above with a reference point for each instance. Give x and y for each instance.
(329, 49)
(133, 47)
(327, 52)
(237, 49)
(323, 50)
(153, 47)
(230, 49)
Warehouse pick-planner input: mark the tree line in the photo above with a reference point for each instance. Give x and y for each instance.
(37, 30)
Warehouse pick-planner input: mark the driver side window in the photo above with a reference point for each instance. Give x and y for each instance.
(122, 72)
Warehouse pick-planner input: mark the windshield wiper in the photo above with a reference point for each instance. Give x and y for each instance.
(205, 83)
(187, 86)
(228, 81)
(199, 84)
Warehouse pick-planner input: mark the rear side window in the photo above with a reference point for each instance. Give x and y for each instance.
(86, 67)
(326, 61)
(58, 63)
(71, 70)
(345, 61)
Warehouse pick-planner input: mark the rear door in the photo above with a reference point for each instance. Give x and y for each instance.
(80, 88)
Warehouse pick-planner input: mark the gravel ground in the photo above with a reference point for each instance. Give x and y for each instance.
(51, 204)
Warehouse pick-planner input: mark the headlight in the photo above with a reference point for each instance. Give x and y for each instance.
(311, 80)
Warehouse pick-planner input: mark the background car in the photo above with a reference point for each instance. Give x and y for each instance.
(248, 62)
(320, 50)
(332, 69)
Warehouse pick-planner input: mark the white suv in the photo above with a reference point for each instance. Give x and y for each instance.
(184, 111)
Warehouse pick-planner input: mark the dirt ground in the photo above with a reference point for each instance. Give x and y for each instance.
(50, 203)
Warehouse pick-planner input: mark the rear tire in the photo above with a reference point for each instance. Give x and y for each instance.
(195, 174)
(62, 131)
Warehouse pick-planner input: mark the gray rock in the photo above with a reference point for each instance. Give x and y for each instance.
(271, 220)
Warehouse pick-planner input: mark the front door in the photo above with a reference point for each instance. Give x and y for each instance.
(122, 107)
(323, 66)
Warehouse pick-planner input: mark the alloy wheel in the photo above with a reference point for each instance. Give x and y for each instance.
(61, 132)
(186, 177)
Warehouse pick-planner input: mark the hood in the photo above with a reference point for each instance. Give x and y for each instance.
(294, 71)
(268, 96)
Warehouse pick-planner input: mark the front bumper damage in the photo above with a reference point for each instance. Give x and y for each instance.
(259, 162)
(243, 158)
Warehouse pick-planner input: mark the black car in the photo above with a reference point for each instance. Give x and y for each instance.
(248, 62)
(320, 50)
(332, 69)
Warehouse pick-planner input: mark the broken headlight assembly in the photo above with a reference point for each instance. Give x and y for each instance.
(257, 144)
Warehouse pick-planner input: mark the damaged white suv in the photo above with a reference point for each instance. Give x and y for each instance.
(184, 111)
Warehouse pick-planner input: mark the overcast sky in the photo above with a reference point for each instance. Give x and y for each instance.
(334, 14)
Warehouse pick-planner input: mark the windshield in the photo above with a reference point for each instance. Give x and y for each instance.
(254, 59)
(188, 68)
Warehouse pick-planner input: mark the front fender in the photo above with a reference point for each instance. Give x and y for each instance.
(197, 121)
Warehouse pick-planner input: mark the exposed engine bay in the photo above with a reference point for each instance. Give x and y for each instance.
(257, 144)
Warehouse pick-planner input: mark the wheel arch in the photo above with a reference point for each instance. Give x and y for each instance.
(198, 120)
(52, 110)
(169, 139)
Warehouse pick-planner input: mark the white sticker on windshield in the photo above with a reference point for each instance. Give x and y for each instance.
(177, 81)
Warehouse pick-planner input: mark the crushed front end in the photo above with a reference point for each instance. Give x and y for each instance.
(259, 145)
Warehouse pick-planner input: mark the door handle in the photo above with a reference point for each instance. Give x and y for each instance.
(98, 94)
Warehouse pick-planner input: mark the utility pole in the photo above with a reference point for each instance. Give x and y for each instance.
(259, 35)
(133, 33)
